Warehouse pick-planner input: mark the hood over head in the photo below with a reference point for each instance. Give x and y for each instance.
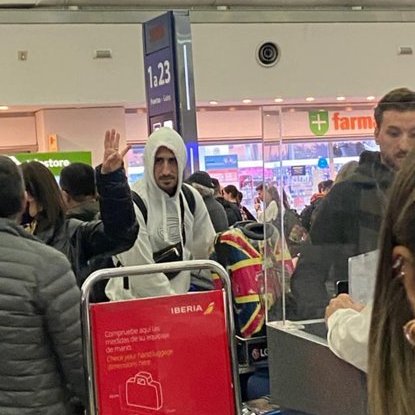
(164, 137)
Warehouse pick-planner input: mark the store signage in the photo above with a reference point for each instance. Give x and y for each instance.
(322, 123)
(346, 122)
(165, 355)
(229, 161)
(54, 161)
(298, 170)
(319, 122)
(223, 167)
(322, 163)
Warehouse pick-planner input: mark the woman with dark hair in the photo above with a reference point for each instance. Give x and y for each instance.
(45, 204)
(392, 332)
(270, 197)
(82, 241)
(229, 202)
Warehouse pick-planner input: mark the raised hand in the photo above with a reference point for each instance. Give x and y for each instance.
(113, 158)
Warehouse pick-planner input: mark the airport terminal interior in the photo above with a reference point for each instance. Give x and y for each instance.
(266, 94)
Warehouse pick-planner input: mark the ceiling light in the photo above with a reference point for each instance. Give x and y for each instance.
(247, 101)
(213, 102)
(4, 107)
(278, 100)
(310, 99)
(292, 110)
(349, 109)
(341, 98)
(370, 98)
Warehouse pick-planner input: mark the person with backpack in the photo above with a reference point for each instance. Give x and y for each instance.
(173, 219)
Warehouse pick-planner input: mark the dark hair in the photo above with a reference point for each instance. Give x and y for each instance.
(326, 185)
(41, 184)
(400, 99)
(216, 183)
(259, 187)
(11, 188)
(78, 180)
(273, 192)
(240, 196)
(391, 358)
(232, 190)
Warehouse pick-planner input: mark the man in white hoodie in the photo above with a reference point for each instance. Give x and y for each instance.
(172, 215)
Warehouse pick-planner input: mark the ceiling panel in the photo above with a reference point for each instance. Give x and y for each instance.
(393, 4)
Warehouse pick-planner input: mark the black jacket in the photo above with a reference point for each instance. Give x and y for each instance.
(232, 211)
(115, 233)
(347, 224)
(85, 211)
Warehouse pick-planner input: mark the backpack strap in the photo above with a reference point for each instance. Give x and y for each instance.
(190, 198)
(140, 204)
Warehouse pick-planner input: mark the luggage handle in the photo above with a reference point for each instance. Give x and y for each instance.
(143, 378)
(146, 271)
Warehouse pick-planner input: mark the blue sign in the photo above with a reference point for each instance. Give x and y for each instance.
(221, 162)
(322, 163)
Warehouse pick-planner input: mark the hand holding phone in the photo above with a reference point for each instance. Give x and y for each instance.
(257, 203)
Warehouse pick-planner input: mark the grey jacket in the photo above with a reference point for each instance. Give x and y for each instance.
(40, 330)
(217, 213)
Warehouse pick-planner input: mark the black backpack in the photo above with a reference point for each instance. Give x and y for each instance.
(295, 233)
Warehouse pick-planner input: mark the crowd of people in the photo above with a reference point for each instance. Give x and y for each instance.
(53, 236)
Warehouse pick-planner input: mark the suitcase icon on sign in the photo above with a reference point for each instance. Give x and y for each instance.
(143, 392)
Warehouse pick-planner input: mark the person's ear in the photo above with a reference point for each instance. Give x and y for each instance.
(66, 196)
(376, 134)
(29, 197)
(403, 264)
(24, 201)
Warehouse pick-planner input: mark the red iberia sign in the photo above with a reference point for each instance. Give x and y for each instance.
(165, 355)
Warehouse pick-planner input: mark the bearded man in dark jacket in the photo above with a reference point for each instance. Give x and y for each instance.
(41, 347)
(350, 216)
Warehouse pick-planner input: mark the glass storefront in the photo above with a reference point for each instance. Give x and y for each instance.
(290, 154)
(298, 149)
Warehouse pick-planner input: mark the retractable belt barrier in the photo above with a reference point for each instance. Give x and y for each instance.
(163, 355)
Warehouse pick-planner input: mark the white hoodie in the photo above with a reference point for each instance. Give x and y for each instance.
(163, 226)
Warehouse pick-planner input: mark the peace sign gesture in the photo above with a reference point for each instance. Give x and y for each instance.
(113, 158)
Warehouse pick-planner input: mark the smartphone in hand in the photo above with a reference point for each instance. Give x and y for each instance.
(342, 287)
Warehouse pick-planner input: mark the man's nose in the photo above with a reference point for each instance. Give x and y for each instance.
(166, 168)
(406, 143)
